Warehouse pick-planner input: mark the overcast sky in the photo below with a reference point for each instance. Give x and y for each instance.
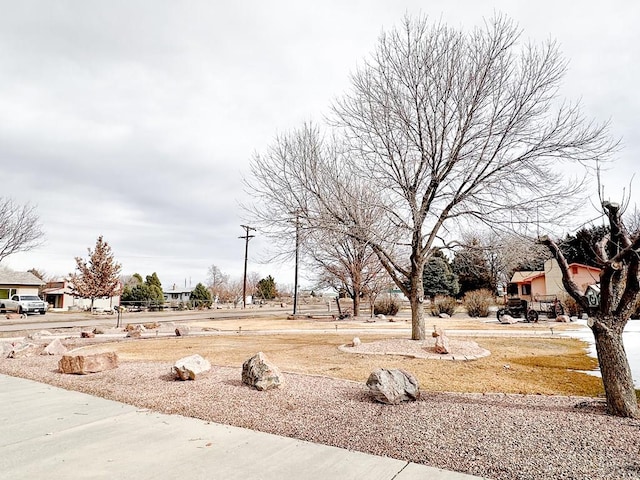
(136, 120)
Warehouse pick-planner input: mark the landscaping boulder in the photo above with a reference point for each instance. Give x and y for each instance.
(563, 318)
(134, 334)
(84, 364)
(507, 319)
(444, 315)
(24, 349)
(355, 342)
(188, 368)
(392, 386)
(39, 335)
(182, 331)
(442, 342)
(87, 334)
(260, 374)
(5, 348)
(55, 348)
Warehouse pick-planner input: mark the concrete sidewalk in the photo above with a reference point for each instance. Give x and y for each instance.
(48, 432)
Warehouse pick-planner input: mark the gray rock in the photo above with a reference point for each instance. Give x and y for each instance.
(355, 342)
(24, 349)
(507, 319)
(55, 348)
(183, 331)
(392, 386)
(5, 348)
(259, 373)
(189, 368)
(84, 364)
(40, 334)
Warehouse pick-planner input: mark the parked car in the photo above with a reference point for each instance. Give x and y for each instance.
(23, 304)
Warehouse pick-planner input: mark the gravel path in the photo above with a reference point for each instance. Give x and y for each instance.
(495, 436)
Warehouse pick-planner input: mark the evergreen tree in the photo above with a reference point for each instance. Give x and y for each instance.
(580, 248)
(471, 267)
(438, 277)
(266, 288)
(142, 293)
(97, 277)
(156, 297)
(200, 297)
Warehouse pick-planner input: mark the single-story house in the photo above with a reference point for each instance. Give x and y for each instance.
(59, 294)
(177, 295)
(533, 285)
(18, 283)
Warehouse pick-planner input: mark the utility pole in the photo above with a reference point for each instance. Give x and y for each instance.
(246, 237)
(295, 281)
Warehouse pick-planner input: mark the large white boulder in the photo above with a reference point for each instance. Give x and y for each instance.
(191, 367)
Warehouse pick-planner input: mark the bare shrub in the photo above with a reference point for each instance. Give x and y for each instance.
(477, 302)
(571, 307)
(446, 305)
(386, 306)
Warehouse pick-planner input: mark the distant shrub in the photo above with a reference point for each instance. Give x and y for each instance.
(446, 305)
(570, 306)
(477, 302)
(386, 306)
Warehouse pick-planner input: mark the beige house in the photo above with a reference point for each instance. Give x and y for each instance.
(59, 295)
(538, 285)
(18, 283)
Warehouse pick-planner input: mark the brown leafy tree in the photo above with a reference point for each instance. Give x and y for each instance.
(20, 228)
(617, 255)
(440, 127)
(99, 276)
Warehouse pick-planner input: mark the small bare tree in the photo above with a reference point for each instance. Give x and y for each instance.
(618, 257)
(20, 228)
(217, 282)
(503, 253)
(440, 127)
(99, 276)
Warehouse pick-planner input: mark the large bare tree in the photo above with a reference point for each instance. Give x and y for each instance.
(618, 257)
(441, 127)
(20, 228)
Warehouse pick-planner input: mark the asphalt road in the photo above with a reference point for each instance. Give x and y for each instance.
(84, 319)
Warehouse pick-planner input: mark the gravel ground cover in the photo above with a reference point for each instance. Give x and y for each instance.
(492, 435)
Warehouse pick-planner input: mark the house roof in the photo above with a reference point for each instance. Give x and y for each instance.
(524, 277)
(585, 266)
(8, 277)
(178, 290)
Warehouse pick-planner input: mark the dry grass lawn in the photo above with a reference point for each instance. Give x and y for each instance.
(522, 365)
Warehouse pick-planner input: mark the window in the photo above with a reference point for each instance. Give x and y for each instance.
(526, 289)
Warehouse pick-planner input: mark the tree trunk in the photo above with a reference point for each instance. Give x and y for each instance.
(614, 367)
(356, 303)
(416, 299)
